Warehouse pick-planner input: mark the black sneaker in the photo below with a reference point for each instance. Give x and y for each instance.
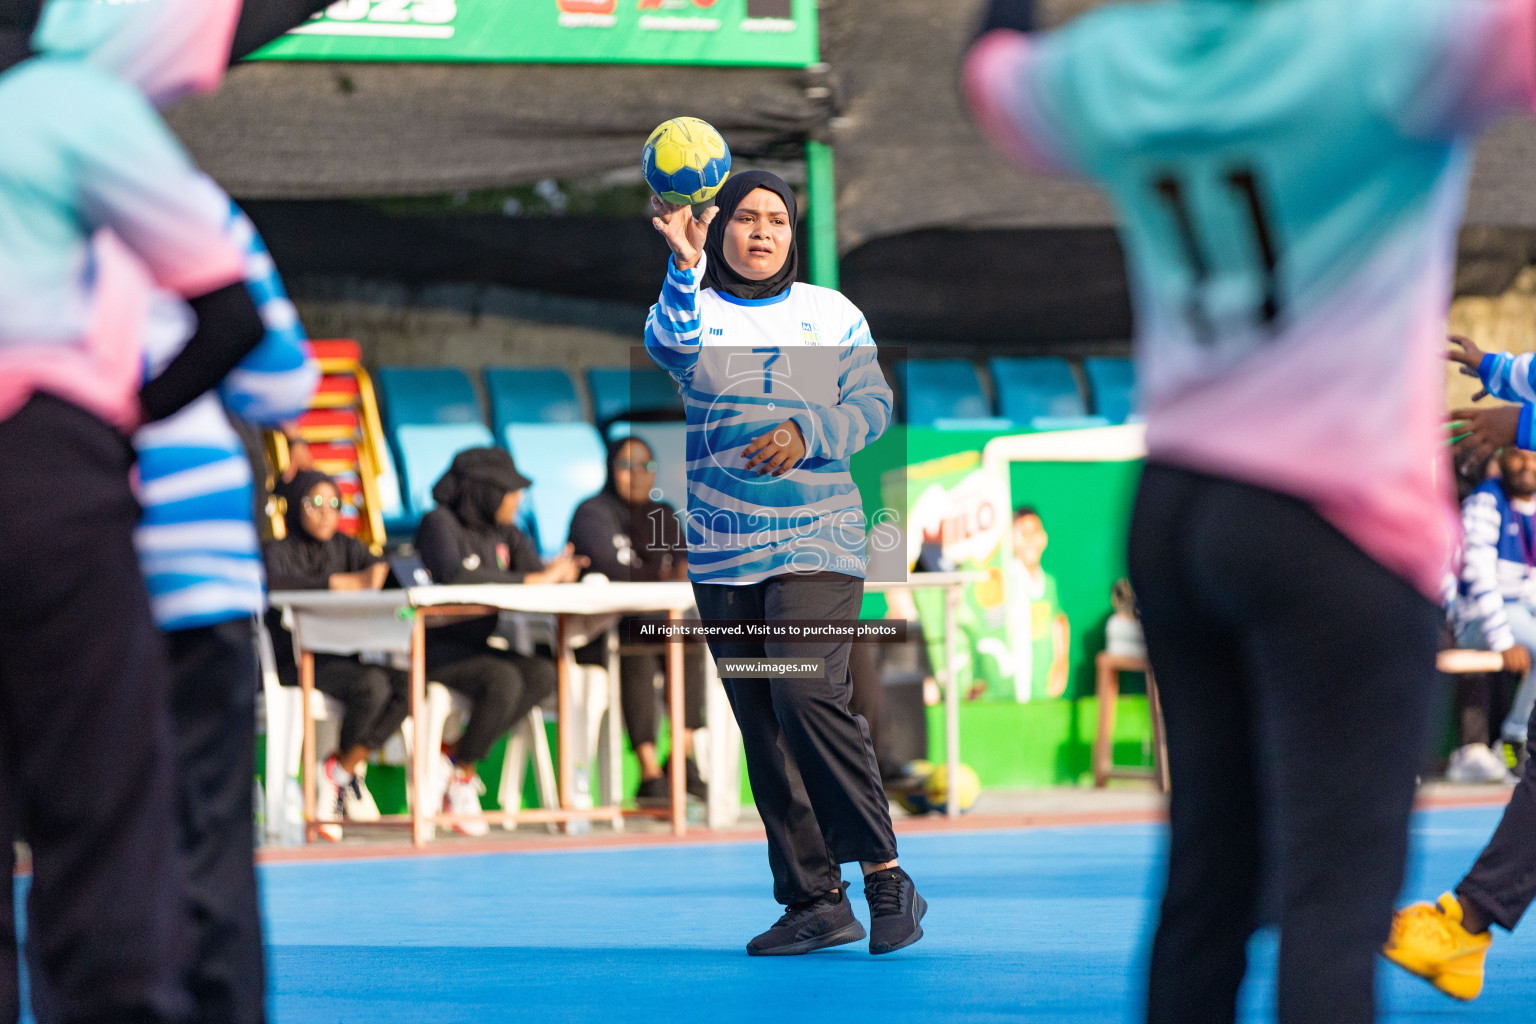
(895, 910)
(693, 782)
(655, 792)
(806, 927)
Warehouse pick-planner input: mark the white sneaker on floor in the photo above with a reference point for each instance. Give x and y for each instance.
(357, 803)
(1475, 764)
(328, 806)
(438, 774)
(463, 798)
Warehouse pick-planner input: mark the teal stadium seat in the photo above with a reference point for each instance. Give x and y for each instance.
(1112, 380)
(430, 415)
(937, 390)
(1036, 387)
(618, 391)
(396, 519)
(669, 441)
(567, 464)
(421, 394)
(531, 394)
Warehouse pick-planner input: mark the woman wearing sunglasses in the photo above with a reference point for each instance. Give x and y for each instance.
(629, 537)
(315, 555)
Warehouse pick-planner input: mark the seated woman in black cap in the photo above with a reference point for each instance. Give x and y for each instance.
(469, 538)
(314, 556)
(630, 538)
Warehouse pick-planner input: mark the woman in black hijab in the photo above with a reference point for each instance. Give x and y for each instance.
(628, 537)
(470, 538)
(316, 556)
(782, 386)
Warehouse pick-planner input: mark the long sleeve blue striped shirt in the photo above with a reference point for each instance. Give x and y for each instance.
(1498, 563)
(196, 541)
(743, 367)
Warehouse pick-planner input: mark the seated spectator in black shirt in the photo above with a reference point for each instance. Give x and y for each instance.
(628, 537)
(314, 556)
(469, 538)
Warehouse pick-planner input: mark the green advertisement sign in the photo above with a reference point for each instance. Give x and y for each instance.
(777, 33)
(1031, 630)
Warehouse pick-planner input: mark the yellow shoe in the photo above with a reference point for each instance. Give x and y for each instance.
(1428, 940)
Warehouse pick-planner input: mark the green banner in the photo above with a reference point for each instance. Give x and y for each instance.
(777, 33)
(1031, 630)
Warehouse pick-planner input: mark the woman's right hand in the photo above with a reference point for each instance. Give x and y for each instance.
(684, 232)
(563, 568)
(1471, 359)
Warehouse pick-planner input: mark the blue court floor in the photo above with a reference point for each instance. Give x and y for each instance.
(1045, 925)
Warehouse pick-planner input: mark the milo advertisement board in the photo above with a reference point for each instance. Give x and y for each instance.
(958, 519)
(1045, 516)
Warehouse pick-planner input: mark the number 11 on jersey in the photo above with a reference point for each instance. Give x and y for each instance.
(1243, 185)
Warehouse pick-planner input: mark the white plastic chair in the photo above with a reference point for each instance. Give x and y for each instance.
(284, 714)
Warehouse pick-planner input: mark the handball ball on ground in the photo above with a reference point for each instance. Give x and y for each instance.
(911, 790)
(685, 161)
(967, 787)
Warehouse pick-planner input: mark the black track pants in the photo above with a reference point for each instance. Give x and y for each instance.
(812, 767)
(86, 754)
(502, 688)
(214, 704)
(1274, 638)
(1502, 883)
(377, 699)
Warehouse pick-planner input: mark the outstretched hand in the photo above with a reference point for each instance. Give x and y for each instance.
(685, 233)
(1471, 359)
(1484, 431)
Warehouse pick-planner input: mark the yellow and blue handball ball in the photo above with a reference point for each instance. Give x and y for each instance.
(685, 161)
(967, 787)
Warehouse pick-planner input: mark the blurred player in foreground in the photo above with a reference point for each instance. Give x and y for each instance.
(1290, 177)
(86, 756)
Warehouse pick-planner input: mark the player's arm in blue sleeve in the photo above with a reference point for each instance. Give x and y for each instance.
(1508, 375)
(674, 332)
(275, 381)
(863, 408)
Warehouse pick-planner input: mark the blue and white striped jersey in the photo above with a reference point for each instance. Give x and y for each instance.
(743, 367)
(1512, 377)
(197, 544)
(1498, 563)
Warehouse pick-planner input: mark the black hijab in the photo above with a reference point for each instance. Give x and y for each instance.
(294, 492)
(476, 484)
(611, 486)
(718, 274)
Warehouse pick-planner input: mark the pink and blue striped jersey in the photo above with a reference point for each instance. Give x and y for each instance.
(85, 151)
(743, 367)
(1289, 177)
